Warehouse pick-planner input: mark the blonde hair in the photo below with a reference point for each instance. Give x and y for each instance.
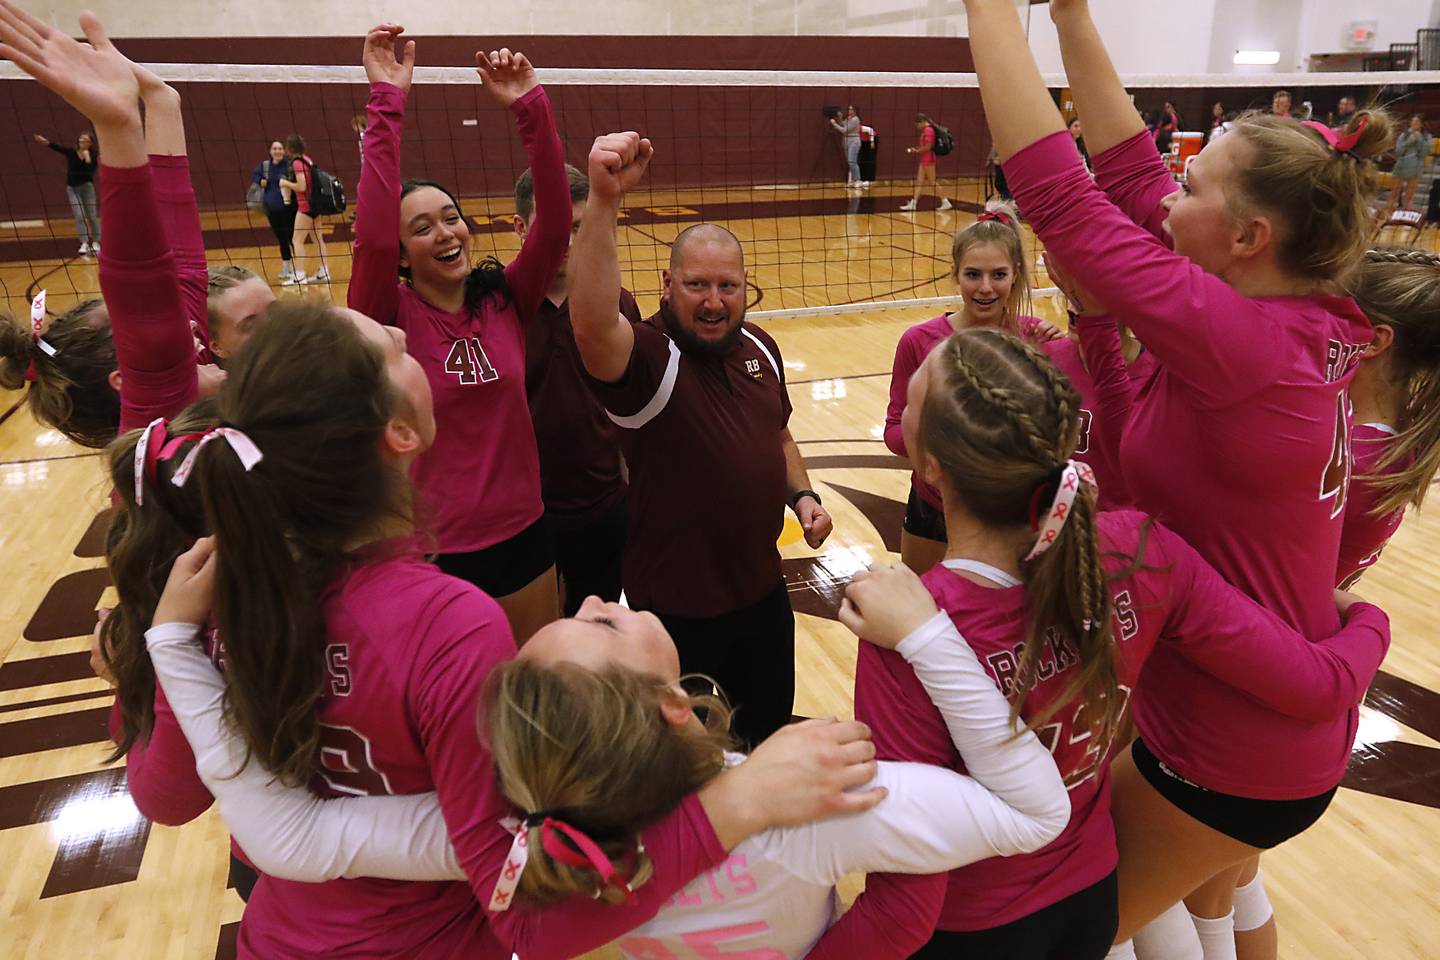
(219, 281)
(1318, 196)
(1004, 234)
(1400, 289)
(1002, 421)
(592, 748)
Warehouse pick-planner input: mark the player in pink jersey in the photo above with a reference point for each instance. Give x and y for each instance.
(1064, 610)
(355, 666)
(991, 276)
(1261, 242)
(594, 737)
(1396, 393)
(466, 327)
(112, 365)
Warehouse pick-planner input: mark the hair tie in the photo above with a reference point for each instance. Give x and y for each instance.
(1072, 474)
(1341, 143)
(999, 215)
(562, 842)
(243, 446)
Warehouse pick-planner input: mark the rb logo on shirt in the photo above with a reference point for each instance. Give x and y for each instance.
(752, 367)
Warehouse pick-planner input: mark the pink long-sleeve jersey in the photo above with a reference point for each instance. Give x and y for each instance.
(1366, 532)
(407, 652)
(1175, 604)
(481, 478)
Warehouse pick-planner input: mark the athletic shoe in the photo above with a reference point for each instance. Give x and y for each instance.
(945, 204)
(908, 206)
(85, 249)
(95, 247)
(295, 278)
(286, 271)
(322, 277)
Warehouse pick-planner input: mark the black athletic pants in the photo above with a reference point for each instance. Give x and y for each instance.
(750, 654)
(282, 224)
(588, 557)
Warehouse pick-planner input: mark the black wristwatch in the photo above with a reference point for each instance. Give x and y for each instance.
(795, 498)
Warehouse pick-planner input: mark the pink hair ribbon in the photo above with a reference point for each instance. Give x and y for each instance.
(580, 851)
(243, 446)
(1341, 142)
(1075, 473)
(147, 451)
(999, 215)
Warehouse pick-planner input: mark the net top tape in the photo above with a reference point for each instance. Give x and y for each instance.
(320, 73)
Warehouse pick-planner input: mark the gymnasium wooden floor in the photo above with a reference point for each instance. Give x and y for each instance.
(85, 876)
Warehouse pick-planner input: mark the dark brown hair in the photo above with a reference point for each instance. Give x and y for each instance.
(525, 190)
(313, 395)
(1001, 421)
(295, 144)
(592, 748)
(1319, 198)
(1400, 289)
(71, 391)
(140, 546)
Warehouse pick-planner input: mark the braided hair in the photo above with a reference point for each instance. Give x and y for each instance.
(1400, 288)
(1002, 422)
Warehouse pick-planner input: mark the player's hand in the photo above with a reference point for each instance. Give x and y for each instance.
(382, 64)
(97, 652)
(1044, 331)
(210, 378)
(1082, 301)
(886, 604)
(814, 521)
(617, 162)
(189, 592)
(508, 76)
(41, 140)
(803, 772)
(92, 77)
(1063, 8)
(1344, 600)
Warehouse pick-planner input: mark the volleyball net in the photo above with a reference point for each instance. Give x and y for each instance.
(753, 150)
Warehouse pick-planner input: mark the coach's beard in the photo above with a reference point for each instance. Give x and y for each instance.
(692, 343)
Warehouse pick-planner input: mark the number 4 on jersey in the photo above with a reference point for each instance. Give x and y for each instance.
(467, 360)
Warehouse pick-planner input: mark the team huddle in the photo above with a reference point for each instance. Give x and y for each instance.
(369, 559)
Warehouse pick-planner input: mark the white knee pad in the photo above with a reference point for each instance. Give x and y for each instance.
(1252, 905)
(1170, 936)
(1217, 936)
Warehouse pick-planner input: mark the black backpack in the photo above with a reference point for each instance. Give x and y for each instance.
(326, 193)
(944, 140)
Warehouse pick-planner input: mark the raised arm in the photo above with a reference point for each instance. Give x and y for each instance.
(510, 79)
(373, 281)
(604, 337)
(175, 193)
(1233, 638)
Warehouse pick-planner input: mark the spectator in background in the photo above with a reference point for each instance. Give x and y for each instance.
(1343, 112)
(280, 204)
(1165, 126)
(849, 128)
(997, 174)
(1280, 103)
(1079, 136)
(869, 155)
(357, 123)
(925, 173)
(1217, 121)
(307, 226)
(81, 162)
(1411, 149)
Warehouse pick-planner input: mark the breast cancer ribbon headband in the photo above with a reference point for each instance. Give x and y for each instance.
(1343, 143)
(563, 842)
(1072, 474)
(156, 445)
(37, 323)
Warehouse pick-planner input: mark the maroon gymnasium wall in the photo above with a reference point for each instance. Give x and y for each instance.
(703, 136)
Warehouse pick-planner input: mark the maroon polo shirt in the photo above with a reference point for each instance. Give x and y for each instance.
(707, 471)
(580, 475)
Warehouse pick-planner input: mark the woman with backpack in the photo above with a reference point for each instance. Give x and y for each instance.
(277, 202)
(935, 141)
(301, 183)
